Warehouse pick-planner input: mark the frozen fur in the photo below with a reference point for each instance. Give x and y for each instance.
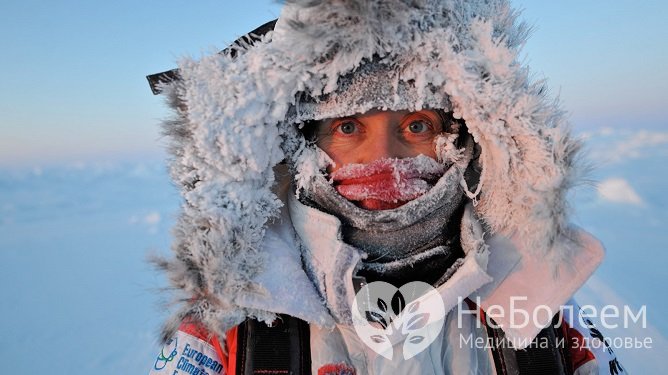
(229, 131)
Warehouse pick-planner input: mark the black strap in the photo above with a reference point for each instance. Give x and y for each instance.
(157, 80)
(547, 354)
(283, 348)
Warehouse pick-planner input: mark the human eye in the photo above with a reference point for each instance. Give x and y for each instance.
(419, 126)
(346, 127)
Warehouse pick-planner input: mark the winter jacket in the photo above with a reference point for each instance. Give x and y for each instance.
(336, 348)
(243, 236)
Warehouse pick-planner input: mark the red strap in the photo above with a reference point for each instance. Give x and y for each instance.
(576, 344)
(231, 344)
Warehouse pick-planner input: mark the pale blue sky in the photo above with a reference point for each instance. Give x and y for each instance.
(73, 85)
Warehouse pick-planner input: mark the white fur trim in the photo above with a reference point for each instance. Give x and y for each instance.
(230, 133)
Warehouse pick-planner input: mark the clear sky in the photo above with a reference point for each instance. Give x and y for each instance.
(73, 86)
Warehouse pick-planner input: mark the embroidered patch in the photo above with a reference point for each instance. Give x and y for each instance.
(336, 369)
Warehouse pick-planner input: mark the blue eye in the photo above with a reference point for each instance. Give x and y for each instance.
(418, 127)
(348, 127)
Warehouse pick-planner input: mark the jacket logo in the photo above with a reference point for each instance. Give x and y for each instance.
(162, 360)
(384, 316)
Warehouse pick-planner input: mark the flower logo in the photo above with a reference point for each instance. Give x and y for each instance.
(384, 316)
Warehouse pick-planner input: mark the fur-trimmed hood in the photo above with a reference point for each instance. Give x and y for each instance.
(230, 131)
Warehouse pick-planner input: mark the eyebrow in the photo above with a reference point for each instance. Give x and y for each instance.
(432, 115)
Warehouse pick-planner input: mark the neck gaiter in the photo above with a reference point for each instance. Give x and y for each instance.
(413, 234)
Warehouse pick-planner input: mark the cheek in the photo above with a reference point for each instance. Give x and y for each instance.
(341, 153)
(340, 157)
(414, 146)
(426, 149)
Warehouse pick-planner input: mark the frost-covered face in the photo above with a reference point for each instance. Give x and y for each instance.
(362, 139)
(382, 159)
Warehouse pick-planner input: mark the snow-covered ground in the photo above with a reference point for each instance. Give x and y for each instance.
(78, 296)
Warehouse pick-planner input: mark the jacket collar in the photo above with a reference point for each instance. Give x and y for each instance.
(497, 272)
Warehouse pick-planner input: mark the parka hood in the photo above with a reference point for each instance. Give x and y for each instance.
(236, 115)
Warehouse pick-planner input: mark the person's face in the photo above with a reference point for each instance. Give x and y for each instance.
(361, 139)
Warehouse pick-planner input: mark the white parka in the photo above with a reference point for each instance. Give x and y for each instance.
(238, 237)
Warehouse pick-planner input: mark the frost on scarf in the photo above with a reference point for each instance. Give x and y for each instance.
(387, 182)
(230, 130)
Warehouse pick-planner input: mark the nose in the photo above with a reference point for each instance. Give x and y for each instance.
(383, 143)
